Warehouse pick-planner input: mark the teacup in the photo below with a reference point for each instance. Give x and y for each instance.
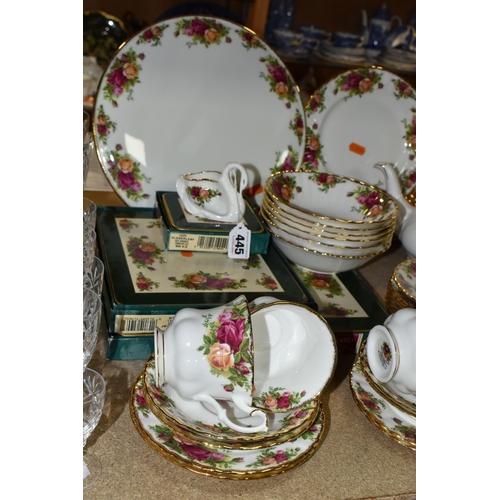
(345, 39)
(391, 351)
(295, 355)
(207, 355)
(215, 195)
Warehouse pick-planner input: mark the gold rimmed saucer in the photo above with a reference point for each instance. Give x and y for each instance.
(216, 433)
(220, 462)
(189, 434)
(380, 412)
(394, 399)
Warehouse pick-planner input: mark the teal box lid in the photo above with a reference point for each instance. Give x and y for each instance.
(143, 278)
(188, 232)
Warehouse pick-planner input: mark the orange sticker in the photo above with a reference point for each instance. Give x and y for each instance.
(187, 254)
(356, 148)
(253, 190)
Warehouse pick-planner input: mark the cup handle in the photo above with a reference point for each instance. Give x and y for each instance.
(238, 401)
(398, 20)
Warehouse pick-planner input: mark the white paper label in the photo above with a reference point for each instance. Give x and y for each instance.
(239, 242)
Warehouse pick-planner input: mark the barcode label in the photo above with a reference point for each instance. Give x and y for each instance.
(198, 242)
(141, 324)
(215, 242)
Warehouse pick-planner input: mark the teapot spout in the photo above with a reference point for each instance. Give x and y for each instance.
(393, 187)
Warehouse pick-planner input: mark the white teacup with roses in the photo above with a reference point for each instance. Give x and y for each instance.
(207, 355)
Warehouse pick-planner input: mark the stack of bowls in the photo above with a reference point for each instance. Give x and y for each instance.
(326, 222)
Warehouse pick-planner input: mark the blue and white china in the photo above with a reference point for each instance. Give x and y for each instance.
(376, 31)
(280, 15)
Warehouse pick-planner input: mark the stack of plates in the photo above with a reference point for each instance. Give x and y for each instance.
(382, 405)
(346, 55)
(402, 288)
(398, 60)
(190, 435)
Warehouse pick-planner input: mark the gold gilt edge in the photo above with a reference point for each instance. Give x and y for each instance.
(170, 420)
(376, 422)
(409, 408)
(208, 471)
(194, 435)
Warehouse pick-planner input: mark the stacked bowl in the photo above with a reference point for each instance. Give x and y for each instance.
(326, 222)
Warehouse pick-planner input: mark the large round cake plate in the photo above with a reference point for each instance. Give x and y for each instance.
(203, 425)
(220, 462)
(360, 118)
(190, 94)
(397, 425)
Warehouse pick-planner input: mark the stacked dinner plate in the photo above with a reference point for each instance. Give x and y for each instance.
(327, 222)
(382, 405)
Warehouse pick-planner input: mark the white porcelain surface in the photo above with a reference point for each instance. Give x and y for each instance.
(295, 355)
(215, 195)
(190, 94)
(359, 118)
(391, 351)
(317, 261)
(207, 355)
(200, 418)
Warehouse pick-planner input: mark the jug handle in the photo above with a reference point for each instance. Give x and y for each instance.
(239, 402)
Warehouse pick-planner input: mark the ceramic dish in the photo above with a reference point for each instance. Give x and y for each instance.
(220, 462)
(324, 246)
(295, 355)
(358, 233)
(360, 118)
(331, 199)
(315, 261)
(190, 94)
(194, 417)
(382, 389)
(157, 407)
(391, 421)
(405, 276)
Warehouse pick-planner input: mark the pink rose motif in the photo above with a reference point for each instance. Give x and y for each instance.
(195, 452)
(142, 255)
(125, 179)
(217, 456)
(279, 75)
(231, 333)
(225, 316)
(101, 129)
(117, 78)
(199, 27)
(195, 192)
(118, 91)
(280, 456)
(148, 35)
(216, 283)
(353, 80)
(283, 402)
(372, 200)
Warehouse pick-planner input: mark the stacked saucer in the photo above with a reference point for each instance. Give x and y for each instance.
(287, 339)
(382, 405)
(327, 222)
(402, 288)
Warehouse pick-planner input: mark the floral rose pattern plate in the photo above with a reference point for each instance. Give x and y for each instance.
(219, 461)
(392, 422)
(405, 275)
(362, 117)
(190, 94)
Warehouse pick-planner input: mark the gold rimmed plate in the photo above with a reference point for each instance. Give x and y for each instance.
(220, 462)
(388, 419)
